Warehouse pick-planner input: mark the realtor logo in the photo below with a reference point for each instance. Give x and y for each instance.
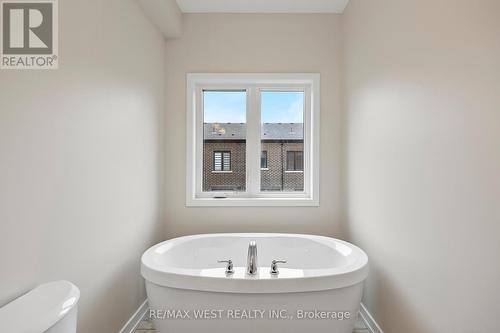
(29, 34)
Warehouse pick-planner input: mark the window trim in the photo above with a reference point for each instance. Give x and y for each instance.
(252, 83)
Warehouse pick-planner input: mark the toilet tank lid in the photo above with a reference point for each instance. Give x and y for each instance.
(40, 308)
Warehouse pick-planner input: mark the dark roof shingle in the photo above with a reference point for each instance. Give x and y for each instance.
(237, 131)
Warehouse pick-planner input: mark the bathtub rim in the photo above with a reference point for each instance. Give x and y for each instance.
(325, 279)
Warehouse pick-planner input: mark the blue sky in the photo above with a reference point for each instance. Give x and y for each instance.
(229, 107)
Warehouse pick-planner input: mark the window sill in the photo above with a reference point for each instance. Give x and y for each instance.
(294, 171)
(264, 169)
(222, 171)
(252, 202)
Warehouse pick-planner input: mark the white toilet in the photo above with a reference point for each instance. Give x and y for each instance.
(49, 308)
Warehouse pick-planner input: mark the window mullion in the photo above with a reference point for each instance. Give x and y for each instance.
(253, 142)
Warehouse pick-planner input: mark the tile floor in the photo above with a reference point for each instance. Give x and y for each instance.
(146, 326)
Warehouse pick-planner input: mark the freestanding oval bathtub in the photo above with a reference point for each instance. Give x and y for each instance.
(318, 289)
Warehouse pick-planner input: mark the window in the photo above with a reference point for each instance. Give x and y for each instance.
(294, 161)
(222, 161)
(252, 140)
(263, 159)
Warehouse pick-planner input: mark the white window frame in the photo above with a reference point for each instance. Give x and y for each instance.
(252, 83)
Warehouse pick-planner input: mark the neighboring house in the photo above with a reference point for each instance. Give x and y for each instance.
(282, 162)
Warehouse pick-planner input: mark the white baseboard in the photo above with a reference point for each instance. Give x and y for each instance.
(369, 321)
(136, 318)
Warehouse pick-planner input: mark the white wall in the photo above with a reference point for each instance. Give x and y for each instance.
(81, 160)
(165, 15)
(422, 117)
(254, 43)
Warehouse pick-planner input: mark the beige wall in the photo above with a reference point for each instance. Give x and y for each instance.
(422, 120)
(254, 43)
(80, 167)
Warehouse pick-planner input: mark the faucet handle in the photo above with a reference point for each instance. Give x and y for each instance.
(229, 267)
(274, 266)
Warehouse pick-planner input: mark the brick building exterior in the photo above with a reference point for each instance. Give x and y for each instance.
(276, 177)
(233, 180)
(224, 154)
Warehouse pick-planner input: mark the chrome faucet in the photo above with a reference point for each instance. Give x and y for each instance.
(229, 266)
(274, 266)
(252, 258)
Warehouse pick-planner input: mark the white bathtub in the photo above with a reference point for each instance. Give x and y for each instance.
(318, 289)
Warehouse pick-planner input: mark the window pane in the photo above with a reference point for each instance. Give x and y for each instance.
(299, 161)
(263, 159)
(282, 136)
(227, 161)
(224, 140)
(217, 161)
(290, 161)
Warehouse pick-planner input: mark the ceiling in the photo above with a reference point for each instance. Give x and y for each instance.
(262, 6)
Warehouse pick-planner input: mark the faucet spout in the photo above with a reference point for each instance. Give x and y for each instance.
(252, 258)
